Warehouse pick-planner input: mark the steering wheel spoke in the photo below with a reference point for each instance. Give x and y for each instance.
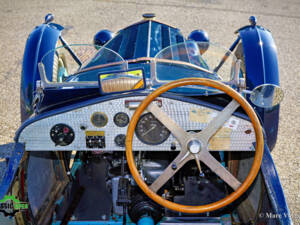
(178, 132)
(218, 122)
(233, 150)
(218, 169)
(182, 158)
(197, 159)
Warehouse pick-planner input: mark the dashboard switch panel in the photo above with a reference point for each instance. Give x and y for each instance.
(95, 139)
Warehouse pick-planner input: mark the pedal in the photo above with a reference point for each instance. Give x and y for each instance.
(123, 192)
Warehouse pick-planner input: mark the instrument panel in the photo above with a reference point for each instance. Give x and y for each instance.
(103, 126)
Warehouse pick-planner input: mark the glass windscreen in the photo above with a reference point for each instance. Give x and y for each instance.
(80, 63)
(202, 59)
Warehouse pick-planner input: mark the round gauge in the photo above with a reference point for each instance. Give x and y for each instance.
(99, 119)
(120, 140)
(121, 119)
(151, 131)
(62, 134)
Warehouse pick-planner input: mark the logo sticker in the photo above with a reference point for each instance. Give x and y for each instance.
(9, 205)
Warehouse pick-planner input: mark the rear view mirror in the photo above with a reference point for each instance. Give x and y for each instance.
(266, 95)
(122, 81)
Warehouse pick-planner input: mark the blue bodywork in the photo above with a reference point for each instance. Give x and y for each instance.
(262, 67)
(12, 168)
(274, 188)
(42, 39)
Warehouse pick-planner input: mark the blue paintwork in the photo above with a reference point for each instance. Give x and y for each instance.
(42, 39)
(147, 220)
(199, 36)
(235, 43)
(262, 67)
(12, 168)
(260, 56)
(102, 37)
(252, 20)
(66, 97)
(49, 18)
(274, 189)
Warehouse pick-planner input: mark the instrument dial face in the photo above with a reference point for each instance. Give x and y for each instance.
(62, 134)
(121, 119)
(99, 119)
(151, 131)
(120, 140)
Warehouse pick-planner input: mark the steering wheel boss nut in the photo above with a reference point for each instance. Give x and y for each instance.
(194, 146)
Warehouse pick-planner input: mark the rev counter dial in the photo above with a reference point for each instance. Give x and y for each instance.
(151, 131)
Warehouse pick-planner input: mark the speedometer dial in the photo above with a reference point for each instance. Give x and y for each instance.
(151, 131)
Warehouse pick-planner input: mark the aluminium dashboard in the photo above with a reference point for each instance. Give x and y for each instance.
(88, 134)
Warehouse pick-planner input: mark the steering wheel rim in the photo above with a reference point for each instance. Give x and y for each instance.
(228, 199)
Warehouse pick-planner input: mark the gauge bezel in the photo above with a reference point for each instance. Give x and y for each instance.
(70, 138)
(121, 113)
(141, 138)
(101, 113)
(123, 135)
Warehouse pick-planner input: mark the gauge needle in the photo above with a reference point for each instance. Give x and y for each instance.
(152, 128)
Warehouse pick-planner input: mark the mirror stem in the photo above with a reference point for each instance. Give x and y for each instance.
(247, 92)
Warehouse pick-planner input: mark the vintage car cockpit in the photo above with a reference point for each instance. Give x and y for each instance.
(148, 126)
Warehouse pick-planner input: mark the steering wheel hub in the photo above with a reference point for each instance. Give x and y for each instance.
(194, 146)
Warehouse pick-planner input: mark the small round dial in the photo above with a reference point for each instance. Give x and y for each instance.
(120, 140)
(151, 131)
(99, 119)
(121, 119)
(62, 134)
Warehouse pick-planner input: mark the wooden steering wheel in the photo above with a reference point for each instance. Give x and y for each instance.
(195, 146)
